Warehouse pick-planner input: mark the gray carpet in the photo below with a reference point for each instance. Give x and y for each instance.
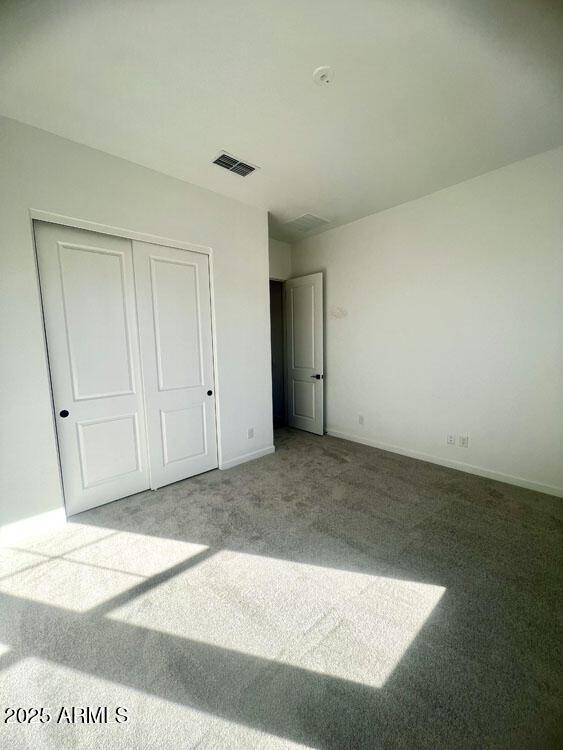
(328, 596)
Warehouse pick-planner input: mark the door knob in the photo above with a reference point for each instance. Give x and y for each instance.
(210, 393)
(63, 413)
(317, 376)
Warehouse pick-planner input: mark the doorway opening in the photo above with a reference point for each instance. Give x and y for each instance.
(297, 341)
(278, 363)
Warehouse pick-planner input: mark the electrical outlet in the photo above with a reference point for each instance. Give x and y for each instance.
(250, 433)
(360, 419)
(464, 441)
(450, 439)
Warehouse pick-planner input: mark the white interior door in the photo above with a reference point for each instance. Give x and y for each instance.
(88, 299)
(174, 308)
(303, 306)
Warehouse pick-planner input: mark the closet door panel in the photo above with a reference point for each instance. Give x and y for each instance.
(88, 297)
(174, 308)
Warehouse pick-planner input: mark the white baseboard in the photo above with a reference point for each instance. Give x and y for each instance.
(27, 527)
(242, 459)
(451, 464)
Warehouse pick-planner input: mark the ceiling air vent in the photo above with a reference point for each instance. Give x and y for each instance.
(305, 223)
(233, 164)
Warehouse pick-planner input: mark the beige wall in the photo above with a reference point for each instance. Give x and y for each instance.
(445, 315)
(42, 171)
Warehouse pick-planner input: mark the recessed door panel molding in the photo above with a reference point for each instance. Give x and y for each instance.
(96, 323)
(99, 461)
(303, 310)
(303, 306)
(183, 433)
(177, 324)
(174, 308)
(304, 400)
(88, 297)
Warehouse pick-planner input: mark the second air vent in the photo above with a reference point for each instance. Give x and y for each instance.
(305, 223)
(233, 164)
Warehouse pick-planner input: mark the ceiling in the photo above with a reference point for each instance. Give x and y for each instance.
(426, 93)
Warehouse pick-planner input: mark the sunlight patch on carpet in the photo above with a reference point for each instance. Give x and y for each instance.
(335, 622)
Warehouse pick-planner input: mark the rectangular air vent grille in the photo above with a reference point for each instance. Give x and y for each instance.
(234, 165)
(305, 223)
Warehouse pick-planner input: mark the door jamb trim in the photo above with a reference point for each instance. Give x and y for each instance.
(130, 234)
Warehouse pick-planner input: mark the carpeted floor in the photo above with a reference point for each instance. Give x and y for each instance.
(328, 596)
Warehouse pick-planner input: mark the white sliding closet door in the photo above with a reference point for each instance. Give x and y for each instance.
(88, 300)
(174, 309)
